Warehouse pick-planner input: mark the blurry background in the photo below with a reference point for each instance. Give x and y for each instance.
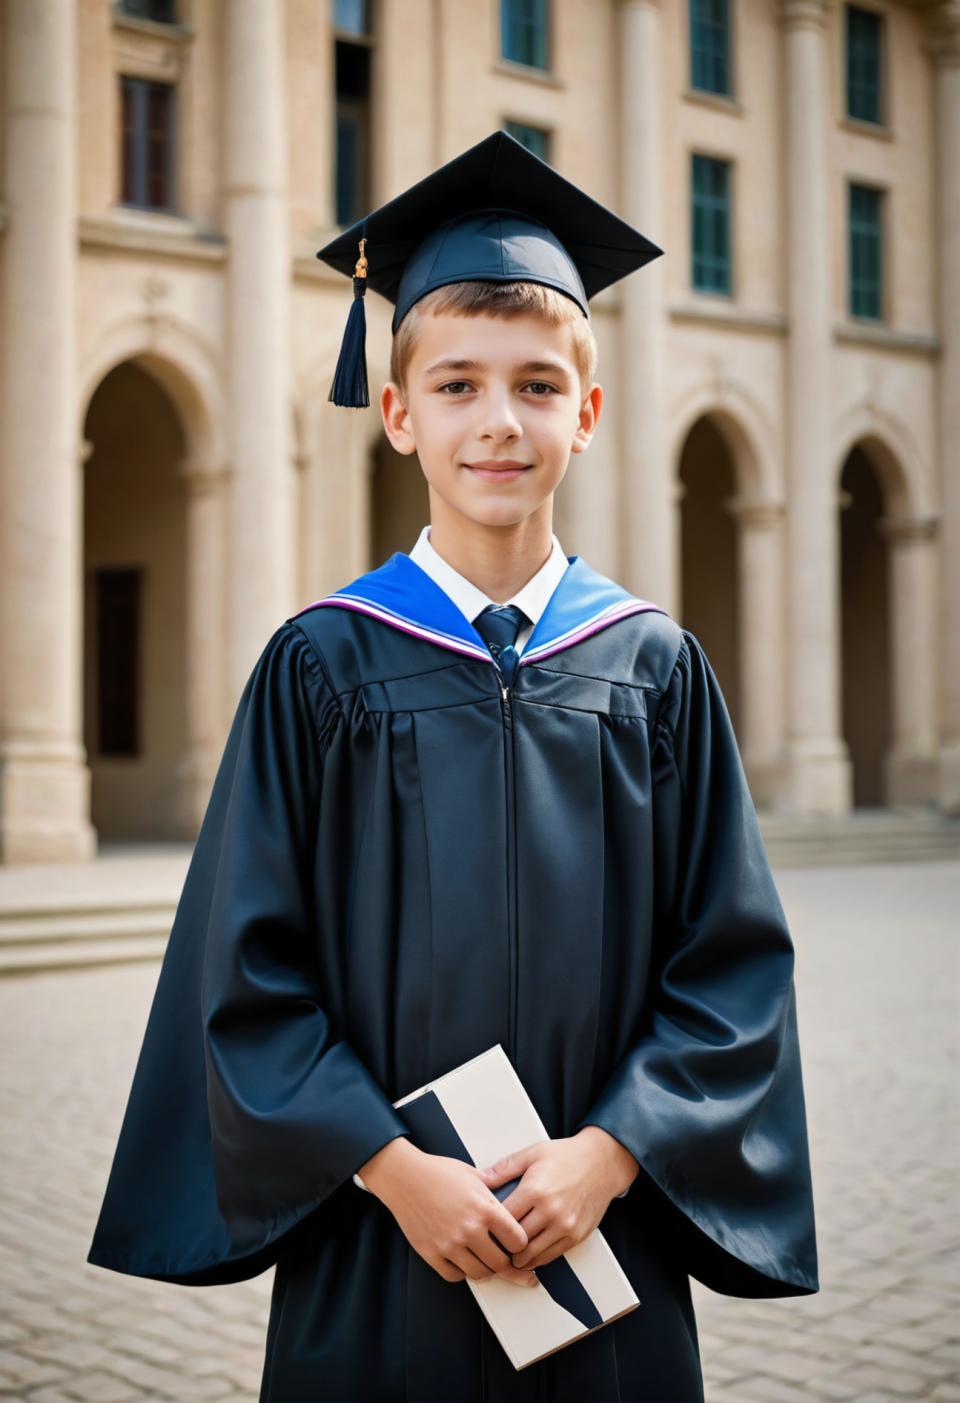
(776, 463)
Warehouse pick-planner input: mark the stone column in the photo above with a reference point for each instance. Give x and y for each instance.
(945, 48)
(44, 778)
(261, 578)
(911, 763)
(206, 572)
(761, 640)
(648, 543)
(818, 778)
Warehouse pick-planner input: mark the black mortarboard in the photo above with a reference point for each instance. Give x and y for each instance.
(496, 212)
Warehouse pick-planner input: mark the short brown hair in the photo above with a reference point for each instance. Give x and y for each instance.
(496, 300)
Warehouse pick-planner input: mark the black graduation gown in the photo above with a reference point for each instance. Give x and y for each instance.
(402, 864)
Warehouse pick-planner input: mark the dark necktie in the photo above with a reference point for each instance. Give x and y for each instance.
(498, 625)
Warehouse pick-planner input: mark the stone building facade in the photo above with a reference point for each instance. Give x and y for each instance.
(780, 472)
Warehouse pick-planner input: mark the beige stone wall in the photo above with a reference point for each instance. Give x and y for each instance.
(244, 494)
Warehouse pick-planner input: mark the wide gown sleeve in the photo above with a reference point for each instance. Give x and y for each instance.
(246, 1110)
(709, 1100)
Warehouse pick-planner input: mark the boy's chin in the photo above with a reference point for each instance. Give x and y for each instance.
(500, 513)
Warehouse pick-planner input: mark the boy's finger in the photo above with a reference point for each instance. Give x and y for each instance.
(509, 1166)
(508, 1231)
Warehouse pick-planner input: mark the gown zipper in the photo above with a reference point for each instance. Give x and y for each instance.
(506, 713)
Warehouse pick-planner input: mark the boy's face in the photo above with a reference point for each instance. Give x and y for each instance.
(492, 389)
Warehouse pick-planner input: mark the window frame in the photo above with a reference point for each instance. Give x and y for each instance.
(727, 293)
(730, 92)
(359, 108)
(141, 159)
(881, 121)
(548, 40)
(882, 206)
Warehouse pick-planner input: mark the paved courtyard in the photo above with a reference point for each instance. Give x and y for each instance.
(878, 979)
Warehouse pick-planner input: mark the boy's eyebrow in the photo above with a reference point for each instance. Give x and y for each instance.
(530, 367)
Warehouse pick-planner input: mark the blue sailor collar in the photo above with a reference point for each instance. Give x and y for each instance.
(401, 593)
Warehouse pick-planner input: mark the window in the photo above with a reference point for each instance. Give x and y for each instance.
(351, 16)
(709, 46)
(117, 652)
(353, 55)
(710, 179)
(865, 221)
(864, 33)
(161, 11)
(147, 115)
(535, 139)
(523, 32)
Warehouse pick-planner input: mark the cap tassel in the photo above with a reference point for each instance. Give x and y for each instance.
(349, 387)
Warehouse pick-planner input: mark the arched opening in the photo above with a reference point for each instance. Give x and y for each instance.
(134, 607)
(399, 501)
(708, 552)
(865, 628)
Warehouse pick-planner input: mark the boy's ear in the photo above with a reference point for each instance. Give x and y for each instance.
(396, 419)
(589, 418)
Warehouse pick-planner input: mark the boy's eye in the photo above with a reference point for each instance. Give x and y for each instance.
(455, 385)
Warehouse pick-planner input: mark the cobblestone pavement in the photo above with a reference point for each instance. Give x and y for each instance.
(877, 979)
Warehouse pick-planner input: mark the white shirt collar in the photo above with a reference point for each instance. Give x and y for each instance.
(531, 598)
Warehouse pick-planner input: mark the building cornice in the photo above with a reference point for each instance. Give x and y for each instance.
(144, 48)
(527, 73)
(153, 233)
(729, 317)
(886, 338)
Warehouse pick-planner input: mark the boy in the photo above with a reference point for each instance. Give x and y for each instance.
(481, 794)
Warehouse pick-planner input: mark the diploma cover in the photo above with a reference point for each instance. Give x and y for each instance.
(480, 1112)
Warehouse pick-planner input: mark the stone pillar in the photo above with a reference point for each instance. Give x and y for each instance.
(648, 543)
(761, 640)
(945, 48)
(911, 763)
(44, 778)
(300, 464)
(261, 578)
(206, 572)
(818, 776)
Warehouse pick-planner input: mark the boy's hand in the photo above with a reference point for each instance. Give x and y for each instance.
(447, 1213)
(565, 1190)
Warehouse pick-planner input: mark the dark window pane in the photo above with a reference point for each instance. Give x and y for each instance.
(535, 139)
(147, 136)
(159, 136)
(709, 46)
(348, 167)
(128, 122)
(352, 132)
(710, 224)
(864, 38)
(163, 11)
(523, 31)
(118, 638)
(865, 217)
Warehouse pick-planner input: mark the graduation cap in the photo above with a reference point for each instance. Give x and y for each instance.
(496, 212)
